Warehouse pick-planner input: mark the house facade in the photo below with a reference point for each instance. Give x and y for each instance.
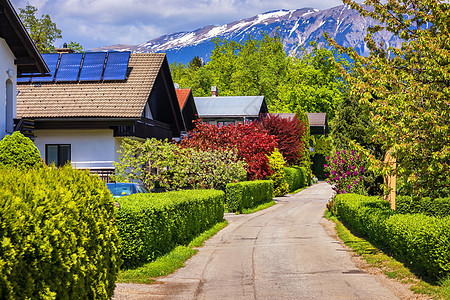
(18, 56)
(85, 121)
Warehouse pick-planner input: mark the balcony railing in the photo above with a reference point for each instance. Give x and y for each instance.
(144, 128)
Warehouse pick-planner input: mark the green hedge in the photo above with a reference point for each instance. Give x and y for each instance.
(248, 194)
(422, 242)
(58, 238)
(150, 225)
(439, 207)
(296, 177)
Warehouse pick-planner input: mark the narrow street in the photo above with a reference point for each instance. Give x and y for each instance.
(282, 252)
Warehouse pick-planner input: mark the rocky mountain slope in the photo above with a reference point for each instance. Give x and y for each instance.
(296, 28)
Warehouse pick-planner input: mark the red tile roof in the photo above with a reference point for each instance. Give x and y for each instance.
(182, 95)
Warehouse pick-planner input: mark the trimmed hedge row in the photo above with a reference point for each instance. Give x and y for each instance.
(247, 194)
(422, 242)
(57, 234)
(150, 225)
(439, 207)
(296, 177)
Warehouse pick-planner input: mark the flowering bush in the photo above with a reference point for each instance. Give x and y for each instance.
(346, 170)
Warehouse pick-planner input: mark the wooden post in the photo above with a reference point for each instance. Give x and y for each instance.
(390, 180)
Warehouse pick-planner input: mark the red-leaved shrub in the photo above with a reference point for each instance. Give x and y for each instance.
(251, 140)
(290, 132)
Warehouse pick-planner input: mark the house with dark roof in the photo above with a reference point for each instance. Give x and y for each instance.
(18, 56)
(84, 121)
(224, 110)
(187, 106)
(318, 123)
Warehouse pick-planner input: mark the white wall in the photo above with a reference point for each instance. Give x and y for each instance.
(90, 148)
(6, 63)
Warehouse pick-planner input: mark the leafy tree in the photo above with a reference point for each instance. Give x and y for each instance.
(75, 47)
(407, 90)
(18, 151)
(42, 30)
(312, 82)
(195, 63)
(251, 140)
(290, 134)
(305, 155)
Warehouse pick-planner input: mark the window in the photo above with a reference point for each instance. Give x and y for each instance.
(9, 107)
(57, 154)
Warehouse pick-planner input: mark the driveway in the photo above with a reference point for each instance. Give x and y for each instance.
(282, 252)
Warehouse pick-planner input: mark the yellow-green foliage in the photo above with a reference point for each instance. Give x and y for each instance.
(57, 234)
(296, 177)
(420, 241)
(151, 225)
(247, 194)
(276, 163)
(18, 151)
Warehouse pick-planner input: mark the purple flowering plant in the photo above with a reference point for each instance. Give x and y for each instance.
(345, 171)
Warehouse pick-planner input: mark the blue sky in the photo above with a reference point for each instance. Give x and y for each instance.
(95, 23)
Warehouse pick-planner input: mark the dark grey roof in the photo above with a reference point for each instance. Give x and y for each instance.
(230, 106)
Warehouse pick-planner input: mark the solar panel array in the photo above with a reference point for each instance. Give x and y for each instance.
(90, 66)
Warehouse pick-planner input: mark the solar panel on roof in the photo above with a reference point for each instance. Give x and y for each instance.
(51, 59)
(69, 67)
(92, 68)
(116, 66)
(24, 79)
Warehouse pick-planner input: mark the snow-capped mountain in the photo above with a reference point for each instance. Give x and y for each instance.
(295, 27)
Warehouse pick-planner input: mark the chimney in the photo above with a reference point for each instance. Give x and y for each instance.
(64, 49)
(214, 91)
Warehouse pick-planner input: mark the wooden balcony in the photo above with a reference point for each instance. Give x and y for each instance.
(144, 128)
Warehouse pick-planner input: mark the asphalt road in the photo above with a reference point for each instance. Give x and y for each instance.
(282, 252)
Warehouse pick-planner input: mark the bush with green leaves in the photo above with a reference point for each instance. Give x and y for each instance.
(149, 162)
(57, 233)
(276, 163)
(212, 169)
(439, 207)
(173, 167)
(296, 177)
(420, 241)
(247, 194)
(18, 151)
(152, 224)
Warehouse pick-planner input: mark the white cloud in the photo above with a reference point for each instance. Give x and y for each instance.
(95, 23)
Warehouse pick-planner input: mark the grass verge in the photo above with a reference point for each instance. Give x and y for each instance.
(258, 208)
(388, 265)
(168, 263)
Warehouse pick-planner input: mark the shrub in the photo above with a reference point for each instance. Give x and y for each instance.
(439, 207)
(151, 225)
(290, 134)
(149, 162)
(18, 151)
(276, 163)
(306, 155)
(212, 169)
(58, 235)
(295, 177)
(422, 242)
(345, 170)
(247, 194)
(251, 141)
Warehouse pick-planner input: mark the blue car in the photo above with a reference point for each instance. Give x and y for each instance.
(125, 189)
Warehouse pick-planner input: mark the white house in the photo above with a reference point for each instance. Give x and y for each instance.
(81, 115)
(18, 56)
